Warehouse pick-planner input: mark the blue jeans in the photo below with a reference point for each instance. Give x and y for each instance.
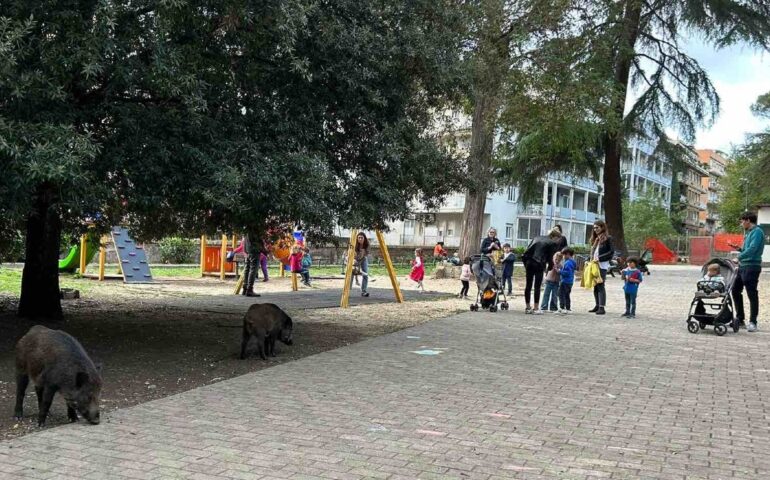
(551, 291)
(509, 282)
(364, 267)
(631, 303)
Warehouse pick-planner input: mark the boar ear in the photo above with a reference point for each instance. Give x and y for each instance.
(80, 379)
(98, 367)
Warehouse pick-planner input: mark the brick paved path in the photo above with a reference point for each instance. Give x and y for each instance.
(510, 396)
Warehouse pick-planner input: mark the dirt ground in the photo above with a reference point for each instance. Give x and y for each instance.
(161, 339)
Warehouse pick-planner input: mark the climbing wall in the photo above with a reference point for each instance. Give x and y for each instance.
(133, 261)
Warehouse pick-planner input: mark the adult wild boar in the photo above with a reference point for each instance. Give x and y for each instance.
(56, 362)
(268, 323)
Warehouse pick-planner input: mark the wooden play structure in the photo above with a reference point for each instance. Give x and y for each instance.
(345, 301)
(214, 258)
(131, 256)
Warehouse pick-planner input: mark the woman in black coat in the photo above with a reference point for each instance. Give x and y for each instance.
(601, 251)
(538, 255)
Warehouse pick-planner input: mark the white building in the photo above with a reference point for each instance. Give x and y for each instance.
(645, 173)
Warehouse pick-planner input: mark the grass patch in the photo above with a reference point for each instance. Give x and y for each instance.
(10, 282)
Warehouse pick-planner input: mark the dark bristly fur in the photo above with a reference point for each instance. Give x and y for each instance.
(56, 362)
(268, 323)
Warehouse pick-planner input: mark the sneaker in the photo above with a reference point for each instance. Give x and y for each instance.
(632, 316)
(554, 311)
(537, 312)
(626, 315)
(561, 311)
(600, 311)
(567, 312)
(529, 311)
(752, 327)
(593, 310)
(364, 294)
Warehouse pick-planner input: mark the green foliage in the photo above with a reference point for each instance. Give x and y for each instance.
(177, 250)
(645, 218)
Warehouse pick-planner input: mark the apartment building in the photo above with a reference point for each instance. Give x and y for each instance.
(715, 163)
(689, 176)
(644, 173)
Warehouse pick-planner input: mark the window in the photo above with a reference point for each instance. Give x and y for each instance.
(409, 227)
(529, 228)
(511, 194)
(509, 231)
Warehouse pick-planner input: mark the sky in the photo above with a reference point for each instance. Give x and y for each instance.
(740, 75)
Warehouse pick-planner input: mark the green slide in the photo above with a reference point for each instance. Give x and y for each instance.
(71, 261)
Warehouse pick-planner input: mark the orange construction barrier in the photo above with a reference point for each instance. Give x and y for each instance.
(721, 241)
(661, 254)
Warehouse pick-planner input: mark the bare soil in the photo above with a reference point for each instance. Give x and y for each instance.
(162, 339)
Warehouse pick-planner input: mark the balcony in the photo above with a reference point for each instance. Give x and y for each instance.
(531, 210)
(429, 240)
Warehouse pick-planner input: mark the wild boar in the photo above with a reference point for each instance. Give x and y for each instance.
(268, 323)
(56, 362)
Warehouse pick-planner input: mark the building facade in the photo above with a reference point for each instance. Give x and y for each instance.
(715, 162)
(645, 173)
(692, 194)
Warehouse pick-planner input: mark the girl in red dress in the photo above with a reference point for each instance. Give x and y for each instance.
(418, 269)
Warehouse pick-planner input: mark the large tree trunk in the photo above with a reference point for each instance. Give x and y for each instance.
(613, 199)
(40, 280)
(480, 163)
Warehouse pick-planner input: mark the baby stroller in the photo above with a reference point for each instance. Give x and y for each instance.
(490, 295)
(712, 303)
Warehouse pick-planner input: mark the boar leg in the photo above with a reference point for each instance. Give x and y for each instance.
(72, 414)
(261, 346)
(244, 342)
(47, 397)
(22, 380)
(272, 346)
(39, 393)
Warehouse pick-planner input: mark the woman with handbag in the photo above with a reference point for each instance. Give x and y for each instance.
(601, 253)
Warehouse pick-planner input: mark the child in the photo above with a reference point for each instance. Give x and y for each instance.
(552, 286)
(632, 277)
(465, 278)
(508, 260)
(295, 260)
(307, 262)
(418, 269)
(713, 281)
(567, 277)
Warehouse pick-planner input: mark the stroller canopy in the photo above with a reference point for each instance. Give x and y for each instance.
(484, 272)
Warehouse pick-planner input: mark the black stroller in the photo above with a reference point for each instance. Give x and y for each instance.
(491, 294)
(712, 303)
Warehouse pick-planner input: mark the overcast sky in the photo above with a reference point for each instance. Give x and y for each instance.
(740, 75)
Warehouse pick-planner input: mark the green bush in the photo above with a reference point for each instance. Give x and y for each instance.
(177, 250)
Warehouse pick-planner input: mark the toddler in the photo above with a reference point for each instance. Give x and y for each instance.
(465, 277)
(632, 277)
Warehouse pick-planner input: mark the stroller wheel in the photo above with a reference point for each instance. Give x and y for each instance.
(492, 309)
(504, 306)
(720, 329)
(692, 326)
(474, 308)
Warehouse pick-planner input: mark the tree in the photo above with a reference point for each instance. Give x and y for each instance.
(633, 79)
(645, 218)
(178, 118)
(746, 183)
(517, 52)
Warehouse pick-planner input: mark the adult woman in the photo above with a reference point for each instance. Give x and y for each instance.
(361, 254)
(601, 251)
(562, 243)
(491, 243)
(538, 255)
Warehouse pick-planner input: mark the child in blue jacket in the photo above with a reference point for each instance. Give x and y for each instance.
(567, 279)
(632, 277)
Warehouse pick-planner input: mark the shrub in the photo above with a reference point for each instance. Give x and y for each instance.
(177, 250)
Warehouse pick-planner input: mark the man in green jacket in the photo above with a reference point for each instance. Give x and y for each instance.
(750, 261)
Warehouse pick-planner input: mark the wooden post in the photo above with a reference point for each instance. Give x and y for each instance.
(294, 285)
(102, 257)
(203, 254)
(239, 283)
(389, 265)
(83, 246)
(345, 302)
(222, 257)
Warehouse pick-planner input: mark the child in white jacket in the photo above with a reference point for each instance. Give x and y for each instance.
(465, 278)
